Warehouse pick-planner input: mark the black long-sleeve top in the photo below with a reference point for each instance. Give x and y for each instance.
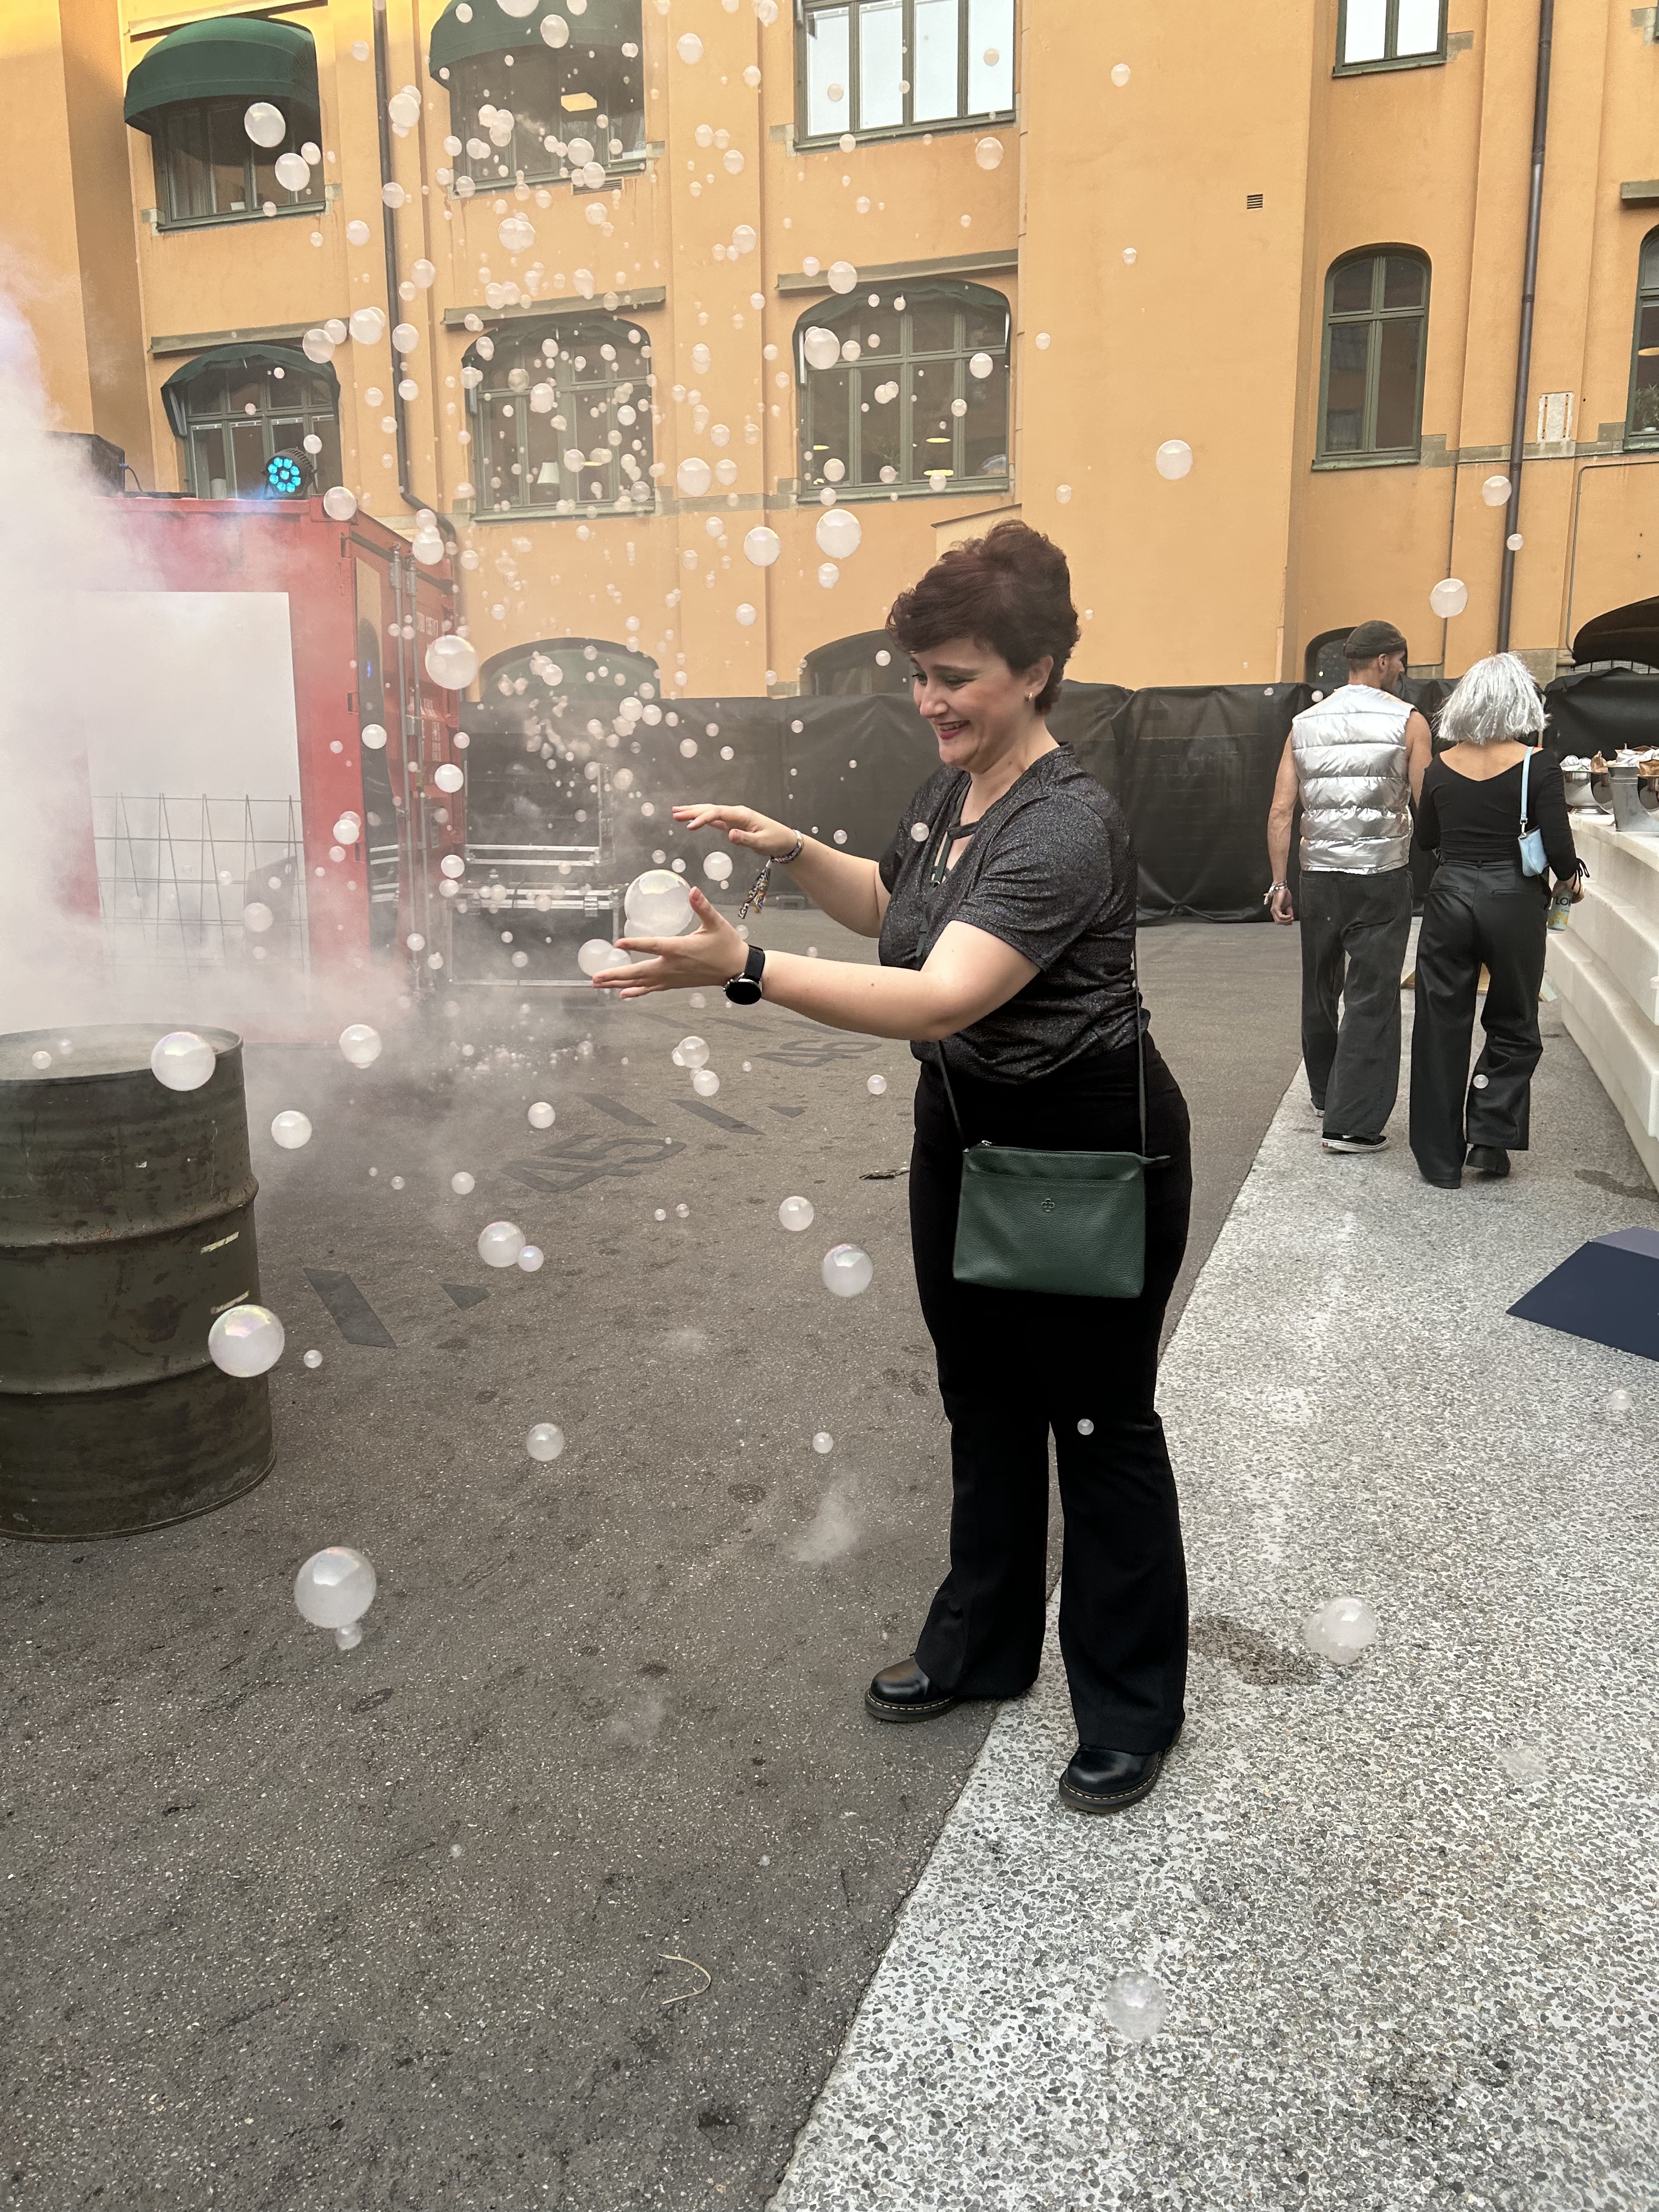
(1463, 820)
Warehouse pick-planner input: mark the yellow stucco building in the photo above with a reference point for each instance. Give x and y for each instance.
(610, 285)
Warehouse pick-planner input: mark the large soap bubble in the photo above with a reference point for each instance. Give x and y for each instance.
(840, 275)
(340, 504)
(876, 1086)
(980, 364)
(1450, 597)
(360, 1044)
(532, 1259)
(1137, 2005)
(705, 1083)
(658, 904)
(717, 866)
(988, 153)
(1120, 73)
(290, 1129)
(1340, 1631)
(266, 125)
(293, 172)
(452, 661)
(449, 777)
(691, 1051)
(556, 32)
(542, 1115)
(367, 325)
(847, 1270)
(824, 1443)
(694, 475)
(822, 349)
(796, 1214)
(334, 1589)
(246, 1341)
(1496, 491)
(598, 955)
(501, 1243)
(1173, 459)
(839, 532)
(517, 232)
(545, 1441)
(762, 546)
(182, 1060)
(689, 46)
(462, 1183)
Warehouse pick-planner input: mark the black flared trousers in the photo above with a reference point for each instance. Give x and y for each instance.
(1014, 1365)
(1477, 914)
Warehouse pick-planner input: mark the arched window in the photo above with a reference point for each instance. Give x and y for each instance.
(192, 94)
(1642, 427)
(594, 671)
(878, 66)
(905, 387)
(544, 97)
(238, 409)
(1377, 317)
(1322, 664)
(857, 667)
(562, 414)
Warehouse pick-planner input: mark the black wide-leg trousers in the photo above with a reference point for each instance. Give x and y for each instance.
(1477, 914)
(1354, 933)
(1012, 1366)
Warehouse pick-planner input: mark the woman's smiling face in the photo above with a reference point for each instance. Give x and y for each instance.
(978, 707)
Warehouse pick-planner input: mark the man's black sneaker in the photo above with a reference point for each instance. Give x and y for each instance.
(1355, 1144)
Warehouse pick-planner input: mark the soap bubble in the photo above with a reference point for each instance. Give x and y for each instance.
(1619, 1404)
(367, 325)
(452, 865)
(691, 1051)
(452, 661)
(257, 916)
(532, 1259)
(1063, 493)
(340, 504)
(542, 1115)
(597, 955)
(356, 232)
(293, 172)
(840, 275)
(402, 110)
(347, 830)
(823, 1441)
(545, 1441)
(1340, 1631)
(318, 346)
(1525, 1763)
(822, 348)
(1130, 256)
(847, 1270)
(449, 777)
(688, 749)
(1450, 597)
(876, 1086)
(517, 232)
(658, 904)
(796, 1214)
(1173, 459)
(266, 125)
(373, 736)
(182, 1060)
(762, 546)
(689, 46)
(705, 1083)
(1136, 2003)
(829, 575)
(694, 475)
(290, 1129)
(919, 833)
(360, 1044)
(839, 532)
(980, 364)
(1120, 73)
(988, 153)
(746, 614)
(246, 1341)
(1496, 491)
(500, 1244)
(1515, 541)
(556, 32)
(682, 1210)
(462, 1183)
(334, 1589)
(40, 1059)
(1085, 1428)
(314, 1359)
(717, 866)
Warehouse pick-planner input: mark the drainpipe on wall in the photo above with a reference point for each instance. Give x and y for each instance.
(1540, 111)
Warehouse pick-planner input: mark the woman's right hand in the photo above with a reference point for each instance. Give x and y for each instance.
(743, 826)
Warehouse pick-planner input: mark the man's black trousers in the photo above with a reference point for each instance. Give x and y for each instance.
(1014, 1365)
(1354, 933)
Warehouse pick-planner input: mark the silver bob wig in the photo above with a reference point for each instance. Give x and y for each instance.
(1495, 703)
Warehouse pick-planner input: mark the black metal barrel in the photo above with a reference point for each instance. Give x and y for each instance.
(126, 1227)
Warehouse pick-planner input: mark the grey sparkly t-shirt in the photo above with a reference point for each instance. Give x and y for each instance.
(1051, 871)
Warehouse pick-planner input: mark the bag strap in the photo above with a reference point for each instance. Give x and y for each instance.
(1526, 768)
(1140, 1057)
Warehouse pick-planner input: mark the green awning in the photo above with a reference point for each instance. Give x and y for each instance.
(482, 26)
(289, 359)
(230, 57)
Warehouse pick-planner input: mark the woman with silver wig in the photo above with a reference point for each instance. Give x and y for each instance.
(1492, 785)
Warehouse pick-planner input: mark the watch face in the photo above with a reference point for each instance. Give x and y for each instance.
(743, 991)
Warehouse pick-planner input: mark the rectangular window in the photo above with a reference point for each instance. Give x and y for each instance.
(1373, 35)
(873, 65)
(208, 169)
(1644, 380)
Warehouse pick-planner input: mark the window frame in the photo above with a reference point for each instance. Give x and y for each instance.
(572, 331)
(545, 168)
(1647, 295)
(1389, 59)
(968, 299)
(301, 124)
(1367, 457)
(310, 418)
(806, 141)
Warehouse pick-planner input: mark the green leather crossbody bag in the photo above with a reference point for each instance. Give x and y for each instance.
(1073, 1223)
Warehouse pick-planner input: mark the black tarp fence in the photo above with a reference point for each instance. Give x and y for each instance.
(1191, 765)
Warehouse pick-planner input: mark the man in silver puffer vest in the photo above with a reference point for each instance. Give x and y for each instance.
(1355, 759)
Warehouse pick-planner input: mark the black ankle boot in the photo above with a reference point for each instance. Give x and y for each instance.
(1488, 1160)
(1100, 1781)
(902, 1692)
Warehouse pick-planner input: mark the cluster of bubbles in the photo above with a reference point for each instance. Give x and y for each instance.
(334, 1589)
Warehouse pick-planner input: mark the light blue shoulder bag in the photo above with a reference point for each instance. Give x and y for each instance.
(1533, 861)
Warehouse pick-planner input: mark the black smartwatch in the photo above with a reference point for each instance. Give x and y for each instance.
(744, 988)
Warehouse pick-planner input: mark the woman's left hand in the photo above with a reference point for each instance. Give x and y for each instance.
(712, 953)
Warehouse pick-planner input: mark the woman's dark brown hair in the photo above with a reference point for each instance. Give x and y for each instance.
(1011, 590)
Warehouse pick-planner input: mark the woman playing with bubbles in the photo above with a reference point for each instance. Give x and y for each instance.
(1005, 909)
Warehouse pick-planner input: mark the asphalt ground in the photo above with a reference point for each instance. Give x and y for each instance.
(562, 1889)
